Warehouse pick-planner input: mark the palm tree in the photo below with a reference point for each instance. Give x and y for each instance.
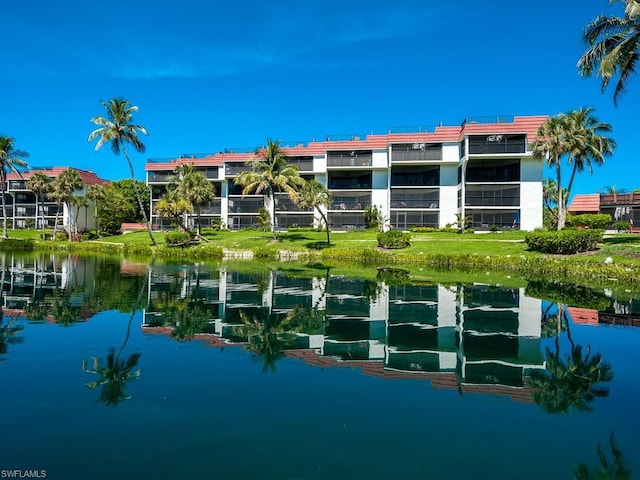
(96, 194)
(77, 201)
(117, 128)
(616, 469)
(57, 196)
(40, 184)
(65, 185)
(591, 145)
(11, 160)
(614, 46)
(313, 194)
(172, 205)
(270, 172)
(195, 189)
(552, 143)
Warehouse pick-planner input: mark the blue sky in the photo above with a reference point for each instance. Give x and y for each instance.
(212, 75)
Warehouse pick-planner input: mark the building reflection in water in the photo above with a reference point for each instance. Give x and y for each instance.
(473, 338)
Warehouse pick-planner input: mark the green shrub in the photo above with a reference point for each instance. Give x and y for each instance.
(394, 239)
(565, 242)
(494, 228)
(589, 220)
(268, 253)
(177, 238)
(467, 231)
(622, 227)
(304, 229)
(424, 229)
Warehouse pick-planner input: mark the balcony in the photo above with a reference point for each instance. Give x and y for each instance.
(620, 199)
(22, 211)
(285, 204)
(17, 185)
(214, 208)
(350, 159)
(350, 202)
(233, 169)
(304, 164)
(415, 198)
(415, 176)
(497, 144)
(416, 152)
(492, 196)
(350, 181)
(210, 173)
(245, 205)
(163, 176)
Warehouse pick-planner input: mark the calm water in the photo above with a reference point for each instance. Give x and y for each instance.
(123, 370)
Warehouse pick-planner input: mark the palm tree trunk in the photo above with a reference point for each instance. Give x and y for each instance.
(55, 223)
(326, 224)
(198, 219)
(135, 189)
(272, 214)
(573, 174)
(4, 205)
(561, 209)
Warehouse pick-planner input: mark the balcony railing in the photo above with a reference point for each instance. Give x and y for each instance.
(214, 208)
(285, 204)
(160, 176)
(233, 169)
(17, 185)
(406, 203)
(496, 144)
(245, 205)
(303, 164)
(349, 160)
(341, 202)
(620, 199)
(416, 152)
(490, 196)
(25, 211)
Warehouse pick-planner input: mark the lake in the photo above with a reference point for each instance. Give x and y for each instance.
(121, 369)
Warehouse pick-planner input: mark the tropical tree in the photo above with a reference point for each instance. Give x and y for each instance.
(115, 209)
(613, 47)
(40, 184)
(196, 189)
(616, 469)
(115, 373)
(579, 136)
(118, 129)
(57, 196)
(11, 160)
(64, 186)
(128, 188)
(96, 194)
(172, 205)
(77, 201)
(591, 145)
(270, 172)
(315, 195)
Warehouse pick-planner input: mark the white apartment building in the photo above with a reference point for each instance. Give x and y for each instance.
(482, 168)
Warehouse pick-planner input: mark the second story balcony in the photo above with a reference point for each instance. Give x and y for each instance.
(245, 205)
(214, 208)
(346, 201)
(285, 204)
(620, 199)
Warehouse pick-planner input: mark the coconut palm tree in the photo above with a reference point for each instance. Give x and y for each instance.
(313, 194)
(591, 145)
(172, 205)
(613, 47)
(96, 194)
(195, 189)
(552, 143)
(11, 160)
(77, 201)
(40, 184)
(614, 469)
(65, 185)
(270, 172)
(118, 129)
(57, 196)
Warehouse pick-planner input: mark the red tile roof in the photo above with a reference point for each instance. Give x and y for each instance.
(527, 125)
(583, 316)
(585, 203)
(88, 177)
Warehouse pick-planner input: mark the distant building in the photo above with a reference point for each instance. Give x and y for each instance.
(482, 168)
(622, 207)
(21, 202)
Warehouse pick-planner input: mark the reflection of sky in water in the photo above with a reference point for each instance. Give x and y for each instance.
(209, 411)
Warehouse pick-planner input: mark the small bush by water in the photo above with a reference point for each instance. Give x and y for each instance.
(564, 242)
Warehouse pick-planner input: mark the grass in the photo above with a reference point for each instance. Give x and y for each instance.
(492, 252)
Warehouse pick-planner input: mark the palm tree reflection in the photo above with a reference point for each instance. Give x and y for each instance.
(116, 372)
(571, 381)
(613, 470)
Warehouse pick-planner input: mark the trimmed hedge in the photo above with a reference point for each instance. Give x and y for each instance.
(589, 220)
(565, 242)
(394, 239)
